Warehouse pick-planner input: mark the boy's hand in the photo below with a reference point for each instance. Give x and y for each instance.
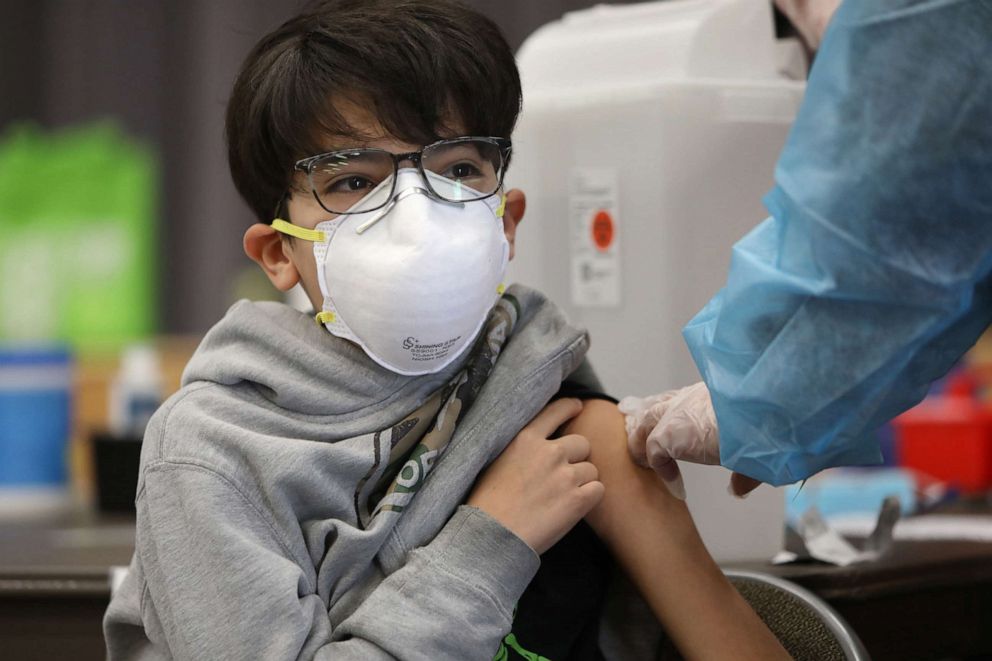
(540, 487)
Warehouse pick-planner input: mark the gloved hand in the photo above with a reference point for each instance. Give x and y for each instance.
(677, 425)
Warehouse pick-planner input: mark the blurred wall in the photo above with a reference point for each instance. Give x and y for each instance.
(164, 69)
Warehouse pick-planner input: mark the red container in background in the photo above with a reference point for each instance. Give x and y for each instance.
(949, 437)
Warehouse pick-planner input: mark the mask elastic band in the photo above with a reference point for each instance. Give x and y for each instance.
(501, 209)
(325, 317)
(281, 225)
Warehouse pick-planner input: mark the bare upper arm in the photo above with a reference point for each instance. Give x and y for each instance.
(629, 486)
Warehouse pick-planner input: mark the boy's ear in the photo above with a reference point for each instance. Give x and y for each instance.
(516, 205)
(266, 248)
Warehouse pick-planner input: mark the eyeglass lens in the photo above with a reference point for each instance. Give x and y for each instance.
(457, 171)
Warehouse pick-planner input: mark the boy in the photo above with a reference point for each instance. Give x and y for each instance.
(381, 484)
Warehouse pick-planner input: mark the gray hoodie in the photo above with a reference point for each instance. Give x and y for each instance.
(249, 544)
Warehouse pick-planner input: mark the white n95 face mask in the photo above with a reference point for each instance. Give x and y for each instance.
(413, 282)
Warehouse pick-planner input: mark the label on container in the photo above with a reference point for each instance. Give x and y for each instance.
(593, 201)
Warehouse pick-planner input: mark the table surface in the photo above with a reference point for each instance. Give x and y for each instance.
(68, 554)
(81, 548)
(923, 600)
(910, 566)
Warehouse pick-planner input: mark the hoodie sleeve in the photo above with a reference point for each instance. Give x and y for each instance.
(224, 584)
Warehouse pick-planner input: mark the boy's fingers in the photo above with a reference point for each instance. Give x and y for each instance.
(577, 448)
(585, 472)
(554, 415)
(592, 493)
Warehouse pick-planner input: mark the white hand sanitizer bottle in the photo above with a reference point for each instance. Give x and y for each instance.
(136, 391)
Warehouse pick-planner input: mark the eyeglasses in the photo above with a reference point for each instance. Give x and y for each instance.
(454, 170)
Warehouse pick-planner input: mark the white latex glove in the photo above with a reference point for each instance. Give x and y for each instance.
(676, 425)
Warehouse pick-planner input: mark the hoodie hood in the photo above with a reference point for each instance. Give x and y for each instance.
(300, 367)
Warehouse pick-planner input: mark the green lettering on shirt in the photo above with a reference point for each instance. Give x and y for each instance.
(503, 654)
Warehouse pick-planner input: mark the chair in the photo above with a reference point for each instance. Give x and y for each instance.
(806, 625)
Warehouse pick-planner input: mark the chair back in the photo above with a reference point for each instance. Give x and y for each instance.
(807, 626)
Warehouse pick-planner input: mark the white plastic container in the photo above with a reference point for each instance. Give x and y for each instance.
(648, 136)
(136, 392)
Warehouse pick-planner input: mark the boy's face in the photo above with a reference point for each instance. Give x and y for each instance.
(287, 262)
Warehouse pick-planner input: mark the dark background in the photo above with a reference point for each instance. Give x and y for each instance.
(164, 70)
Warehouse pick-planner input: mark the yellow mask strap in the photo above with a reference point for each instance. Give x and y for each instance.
(325, 317)
(281, 225)
(501, 209)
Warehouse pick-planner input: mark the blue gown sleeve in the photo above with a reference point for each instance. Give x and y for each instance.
(871, 277)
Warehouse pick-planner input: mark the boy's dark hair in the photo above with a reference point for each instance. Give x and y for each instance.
(420, 66)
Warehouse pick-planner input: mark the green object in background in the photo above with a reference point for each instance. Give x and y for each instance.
(77, 231)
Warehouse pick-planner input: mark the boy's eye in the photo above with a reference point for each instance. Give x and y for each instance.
(462, 171)
(350, 184)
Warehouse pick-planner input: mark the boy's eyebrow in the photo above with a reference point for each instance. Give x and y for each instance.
(339, 141)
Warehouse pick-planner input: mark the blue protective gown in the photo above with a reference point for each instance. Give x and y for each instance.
(872, 276)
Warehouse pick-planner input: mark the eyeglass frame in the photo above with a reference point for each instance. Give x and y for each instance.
(504, 145)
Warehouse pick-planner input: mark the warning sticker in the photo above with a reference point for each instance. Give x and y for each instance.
(602, 230)
(593, 202)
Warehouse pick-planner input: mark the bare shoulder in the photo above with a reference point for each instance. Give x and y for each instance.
(598, 416)
(626, 482)
(602, 423)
